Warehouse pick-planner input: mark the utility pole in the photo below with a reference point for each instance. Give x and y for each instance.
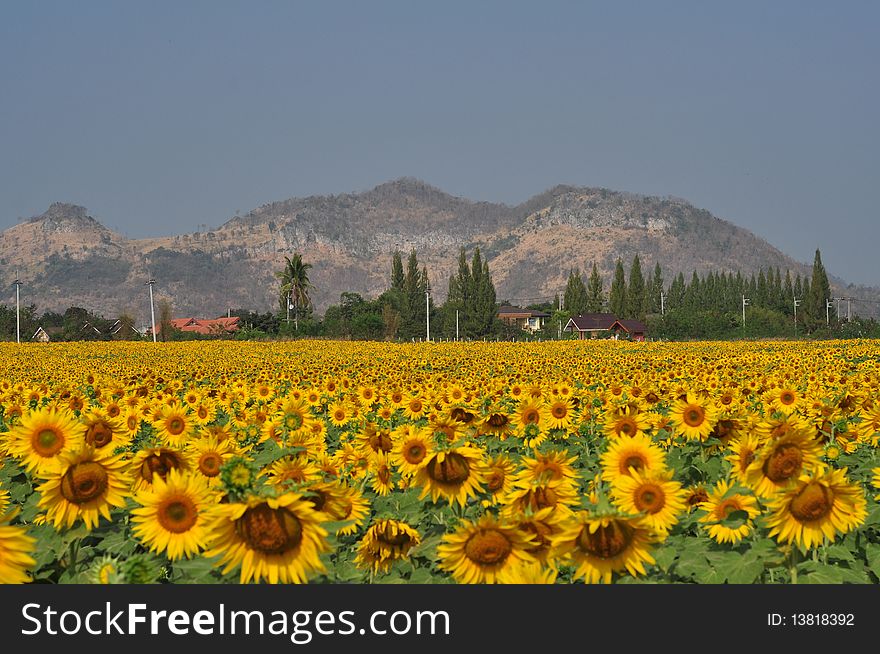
(848, 309)
(17, 283)
(456, 325)
(745, 304)
(662, 303)
(560, 320)
(838, 307)
(796, 305)
(828, 305)
(428, 312)
(152, 310)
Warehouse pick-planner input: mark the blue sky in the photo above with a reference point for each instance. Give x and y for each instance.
(163, 116)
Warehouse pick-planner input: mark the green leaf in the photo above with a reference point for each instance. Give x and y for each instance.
(665, 556)
(872, 551)
(839, 553)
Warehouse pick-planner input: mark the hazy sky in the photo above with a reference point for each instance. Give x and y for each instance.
(162, 116)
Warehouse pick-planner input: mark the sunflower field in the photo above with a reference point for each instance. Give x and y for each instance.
(340, 462)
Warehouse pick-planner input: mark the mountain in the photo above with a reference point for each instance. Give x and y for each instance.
(65, 257)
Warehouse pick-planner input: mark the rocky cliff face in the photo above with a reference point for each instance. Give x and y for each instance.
(65, 257)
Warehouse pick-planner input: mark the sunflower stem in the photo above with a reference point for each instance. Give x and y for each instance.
(792, 564)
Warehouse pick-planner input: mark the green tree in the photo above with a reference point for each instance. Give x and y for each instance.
(295, 292)
(396, 271)
(576, 297)
(595, 292)
(819, 293)
(656, 290)
(635, 294)
(617, 297)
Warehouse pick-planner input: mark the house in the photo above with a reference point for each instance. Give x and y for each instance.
(632, 329)
(41, 335)
(525, 319)
(591, 323)
(217, 326)
(44, 335)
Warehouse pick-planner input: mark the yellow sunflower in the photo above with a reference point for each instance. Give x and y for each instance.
(542, 526)
(385, 542)
(208, 455)
(16, 548)
(660, 499)
(455, 475)
(530, 417)
(499, 478)
(42, 436)
(528, 573)
(560, 414)
(781, 461)
(625, 453)
(785, 400)
(103, 431)
(720, 505)
(86, 485)
(412, 446)
(276, 539)
(174, 424)
(295, 469)
(817, 508)
(602, 545)
(174, 515)
(627, 422)
(381, 480)
(157, 461)
(339, 413)
(743, 453)
(693, 417)
(478, 552)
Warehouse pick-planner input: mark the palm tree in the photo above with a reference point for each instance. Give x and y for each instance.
(295, 287)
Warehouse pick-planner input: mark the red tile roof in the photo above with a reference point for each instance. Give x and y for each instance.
(220, 325)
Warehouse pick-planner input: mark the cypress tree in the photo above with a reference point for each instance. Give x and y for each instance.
(575, 297)
(820, 290)
(635, 294)
(788, 295)
(595, 292)
(677, 292)
(655, 303)
(761, 295)
(617, 297)
(397, 278)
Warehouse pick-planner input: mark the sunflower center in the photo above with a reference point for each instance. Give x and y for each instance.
(393, 535)
(543, 497)
(497, 420)
(132, 422)
(293, 421)
(99, 434)
(209, 464)
(786, 397)
(784, 463)
(746, 458)
(607, 541)
(636, 461)
(495, 480)
(726, 508)
(202, 412)
(461, 415)
(559, 411)
(488, 547)
(415, 407)
(177, 514)
(626, 427)
(531, 417)
(84, 482)
(697, 496)
(159, 464)
(812, 503)
(48, 441)
(541, 533)
(381, 442)
(384, 474)
(694, 415)
(453, 469)
(415, 453)
(649, 498)
(268, 530)
(175, 426)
